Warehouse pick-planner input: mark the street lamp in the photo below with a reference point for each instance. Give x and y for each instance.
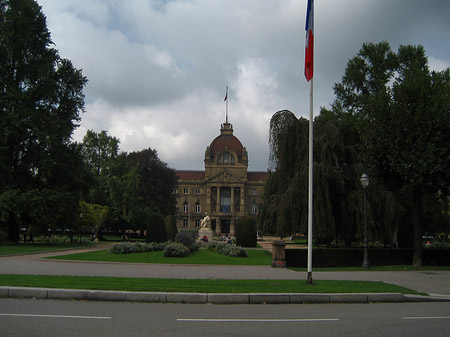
(365, 182)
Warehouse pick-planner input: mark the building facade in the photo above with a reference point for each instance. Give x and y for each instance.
(225, 190)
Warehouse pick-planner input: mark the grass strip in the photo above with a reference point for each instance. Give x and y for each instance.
(378, 268)
(198, 285)
(26, 248)
(202, 256)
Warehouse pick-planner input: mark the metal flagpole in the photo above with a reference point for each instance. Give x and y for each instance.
(310, 183)
(309, 61)
(226, 111)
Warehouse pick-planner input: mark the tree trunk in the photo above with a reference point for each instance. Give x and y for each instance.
(417, 226)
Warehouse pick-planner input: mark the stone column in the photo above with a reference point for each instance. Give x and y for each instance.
(279, 254)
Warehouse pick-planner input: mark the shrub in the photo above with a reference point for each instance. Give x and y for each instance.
(176, 250)
(155, 246)
(122, 248)
(156, 228)
(188, 238)
(246, 232)
(230, 250)
(130, 248)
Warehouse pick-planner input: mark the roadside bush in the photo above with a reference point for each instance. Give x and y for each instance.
(246, 232)
(176, 250)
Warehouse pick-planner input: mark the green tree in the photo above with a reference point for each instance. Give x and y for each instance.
(41, 97)
(403, 118)
(94, 216)
(157, 181)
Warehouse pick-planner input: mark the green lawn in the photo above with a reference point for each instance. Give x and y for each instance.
(198, 285)
(25, 248)
(202, 256)
(378, 268)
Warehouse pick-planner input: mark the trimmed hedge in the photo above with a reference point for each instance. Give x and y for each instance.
(156, 228)
(353, 257)
(246, 232)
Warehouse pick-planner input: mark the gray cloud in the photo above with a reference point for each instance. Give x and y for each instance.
(157, 70)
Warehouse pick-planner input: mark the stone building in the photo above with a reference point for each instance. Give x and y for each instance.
(225, 190)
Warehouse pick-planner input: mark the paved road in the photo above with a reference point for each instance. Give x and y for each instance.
(431, 282)
(19, 317)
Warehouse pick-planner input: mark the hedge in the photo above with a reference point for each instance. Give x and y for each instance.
(353, 257)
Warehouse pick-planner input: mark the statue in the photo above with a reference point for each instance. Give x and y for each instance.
(205, 223)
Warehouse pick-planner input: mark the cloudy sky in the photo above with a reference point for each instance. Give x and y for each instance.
(158, 69)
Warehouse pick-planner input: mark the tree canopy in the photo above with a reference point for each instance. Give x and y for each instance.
(390, 119)
(41, 98)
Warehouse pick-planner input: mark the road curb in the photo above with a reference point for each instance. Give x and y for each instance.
(213, 298)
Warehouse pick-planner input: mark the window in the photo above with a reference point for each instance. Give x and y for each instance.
(197, 208)
(226, 158)
(253, 191)
(197, 191)
(185, 190)
(197, 223)
(225, 199)
(254, 209)
(185, 223)
(185, 208)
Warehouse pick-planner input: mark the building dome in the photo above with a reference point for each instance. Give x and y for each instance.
(226, 141)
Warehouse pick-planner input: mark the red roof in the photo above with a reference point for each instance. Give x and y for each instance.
(256, 176)
(221, 141)
(191, 175)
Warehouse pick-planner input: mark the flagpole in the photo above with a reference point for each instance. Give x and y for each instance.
(226, 109)
(310, 182)
(309, 62)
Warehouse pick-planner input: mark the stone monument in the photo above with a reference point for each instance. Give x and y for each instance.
(205, 232)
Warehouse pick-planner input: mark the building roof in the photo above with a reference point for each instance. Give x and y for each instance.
(256, 176)
(226, 140)
(190, 175)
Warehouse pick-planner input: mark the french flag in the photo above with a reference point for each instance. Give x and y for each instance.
(309, 42)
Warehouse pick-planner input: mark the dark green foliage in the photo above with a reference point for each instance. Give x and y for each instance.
(156, 228)
(246, 232)
(402, 114)
(188, 238)
(171, 227)
(41, 98)
(175, 249)
(157, 181)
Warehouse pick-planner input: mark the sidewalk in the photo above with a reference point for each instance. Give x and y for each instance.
(434, 283)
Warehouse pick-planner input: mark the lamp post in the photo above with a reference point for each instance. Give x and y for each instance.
(365, 182)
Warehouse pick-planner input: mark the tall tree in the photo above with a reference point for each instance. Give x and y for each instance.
(41, 97)
(157, 181)
(403, 114)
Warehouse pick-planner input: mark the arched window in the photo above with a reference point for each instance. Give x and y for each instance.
(225, 158)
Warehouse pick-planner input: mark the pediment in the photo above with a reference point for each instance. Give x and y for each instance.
(225, 177)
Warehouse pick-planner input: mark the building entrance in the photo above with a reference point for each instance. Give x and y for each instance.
(225, 226)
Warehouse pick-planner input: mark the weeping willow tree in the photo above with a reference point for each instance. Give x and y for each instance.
(338, 207)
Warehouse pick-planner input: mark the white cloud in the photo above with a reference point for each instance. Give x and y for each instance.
(158, 69)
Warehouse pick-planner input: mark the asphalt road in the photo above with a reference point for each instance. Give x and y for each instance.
(20, 317)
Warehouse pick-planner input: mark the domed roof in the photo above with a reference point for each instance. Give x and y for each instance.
(226, 140)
